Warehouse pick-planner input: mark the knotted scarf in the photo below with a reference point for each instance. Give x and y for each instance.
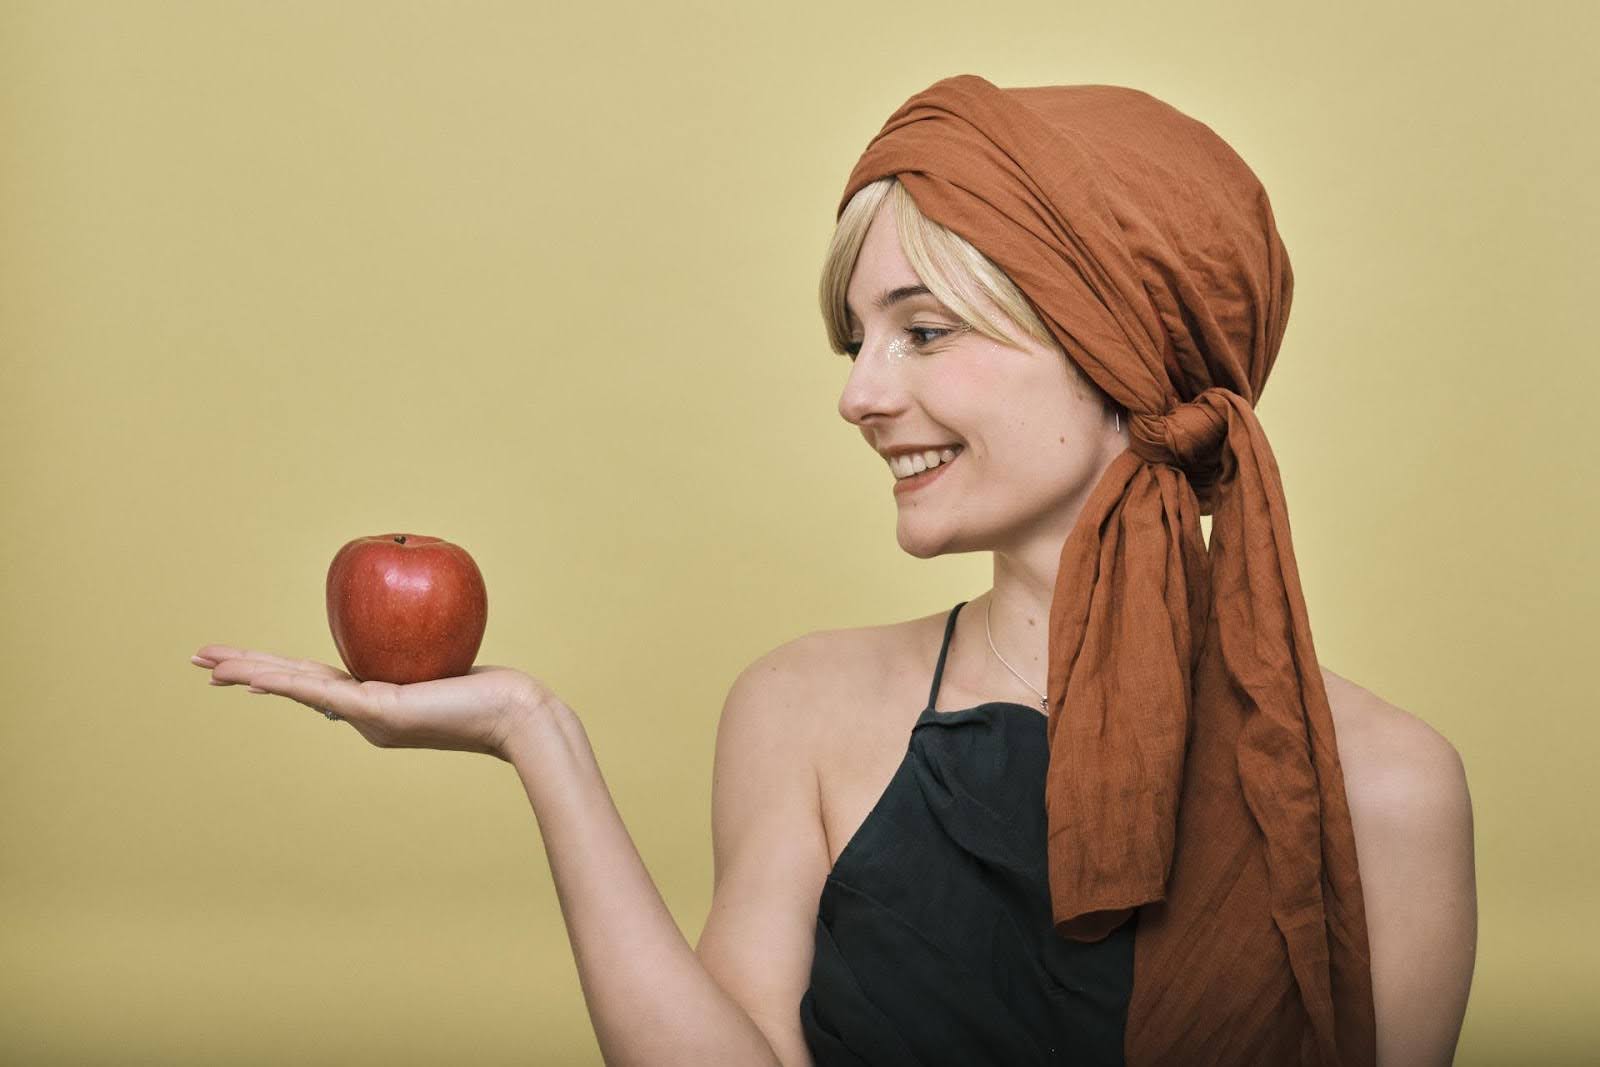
(1193, 769)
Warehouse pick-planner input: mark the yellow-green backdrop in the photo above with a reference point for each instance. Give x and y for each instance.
(541, 279)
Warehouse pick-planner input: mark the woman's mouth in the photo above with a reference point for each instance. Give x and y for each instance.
(926, 478)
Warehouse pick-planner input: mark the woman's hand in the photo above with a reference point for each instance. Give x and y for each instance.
(476, 712)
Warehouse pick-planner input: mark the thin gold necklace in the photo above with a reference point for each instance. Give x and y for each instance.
(988, 608)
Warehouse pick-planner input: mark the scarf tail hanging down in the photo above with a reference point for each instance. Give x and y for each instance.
(1194, 773)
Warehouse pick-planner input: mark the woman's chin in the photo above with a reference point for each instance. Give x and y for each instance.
(918, 539)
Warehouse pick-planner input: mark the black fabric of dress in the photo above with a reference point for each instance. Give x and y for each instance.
(934, 942)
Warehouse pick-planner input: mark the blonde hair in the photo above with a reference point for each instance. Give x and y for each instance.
(954, 271)
(958, 275)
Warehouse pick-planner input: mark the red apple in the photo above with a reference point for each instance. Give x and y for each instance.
(406, 608)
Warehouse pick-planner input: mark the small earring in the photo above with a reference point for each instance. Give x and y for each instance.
(1118, 416)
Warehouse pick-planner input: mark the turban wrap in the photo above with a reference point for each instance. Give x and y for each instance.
(1193, 771)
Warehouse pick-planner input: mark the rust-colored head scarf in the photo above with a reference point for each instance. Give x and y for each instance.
(1193, 770)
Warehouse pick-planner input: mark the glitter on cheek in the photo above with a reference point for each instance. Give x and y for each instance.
(897, 347)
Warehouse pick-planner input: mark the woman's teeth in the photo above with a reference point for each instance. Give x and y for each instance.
(917, 462)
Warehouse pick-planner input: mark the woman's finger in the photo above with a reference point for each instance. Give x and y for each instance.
(211, 655)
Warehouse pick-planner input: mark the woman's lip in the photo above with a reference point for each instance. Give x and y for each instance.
(926, 478)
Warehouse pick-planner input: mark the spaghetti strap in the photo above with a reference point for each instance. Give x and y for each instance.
(938, 670)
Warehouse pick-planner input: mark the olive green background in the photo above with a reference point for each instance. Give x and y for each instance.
(541, 280)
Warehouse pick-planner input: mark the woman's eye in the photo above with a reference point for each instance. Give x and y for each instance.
(920, 336)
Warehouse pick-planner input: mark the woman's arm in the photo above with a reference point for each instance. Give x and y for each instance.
(649, 997)
(770, 849)
(1412, 815)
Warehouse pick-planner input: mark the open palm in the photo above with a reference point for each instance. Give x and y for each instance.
(475, 712)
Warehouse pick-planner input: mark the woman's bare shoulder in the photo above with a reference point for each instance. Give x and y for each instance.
(853, 666)
(1374, 734)
(1411, 813)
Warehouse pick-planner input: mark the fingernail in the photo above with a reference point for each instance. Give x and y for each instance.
(201, 661)
(215, 682)
(253, 689)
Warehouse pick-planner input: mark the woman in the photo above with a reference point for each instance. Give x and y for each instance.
(1134, 819)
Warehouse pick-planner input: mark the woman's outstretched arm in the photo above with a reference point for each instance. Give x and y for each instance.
(650, 998)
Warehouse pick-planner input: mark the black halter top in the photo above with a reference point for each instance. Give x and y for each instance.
(934, 940)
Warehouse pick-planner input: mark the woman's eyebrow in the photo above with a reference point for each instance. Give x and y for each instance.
(892, 296)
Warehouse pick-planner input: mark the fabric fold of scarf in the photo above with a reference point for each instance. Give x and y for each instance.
(1194, 773)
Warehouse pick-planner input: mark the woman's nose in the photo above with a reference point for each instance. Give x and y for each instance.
(875, 385)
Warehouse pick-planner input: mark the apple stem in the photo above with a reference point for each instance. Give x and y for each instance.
(400, 540)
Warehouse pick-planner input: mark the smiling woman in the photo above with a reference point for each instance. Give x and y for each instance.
(1060, 304)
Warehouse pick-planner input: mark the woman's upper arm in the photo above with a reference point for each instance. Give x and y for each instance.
(771, 853)
(1413, 819)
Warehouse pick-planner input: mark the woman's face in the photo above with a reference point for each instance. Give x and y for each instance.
(1033, 438)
